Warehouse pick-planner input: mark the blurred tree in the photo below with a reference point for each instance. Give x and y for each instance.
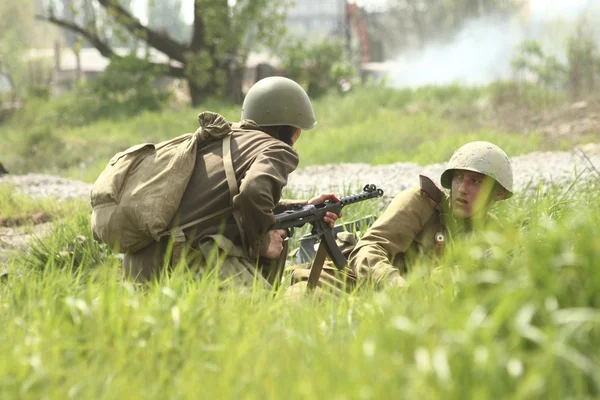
(317, 66)
(212, 59)
(530, 59)
(16, 32)
(579, 73)
(583, 61)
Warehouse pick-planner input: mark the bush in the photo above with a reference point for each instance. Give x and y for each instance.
(130, 83)
(577, 75)
(583, 62)
(318, 67)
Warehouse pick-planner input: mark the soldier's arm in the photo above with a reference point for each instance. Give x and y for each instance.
(260, 191)
(392, 233)
(286, 204)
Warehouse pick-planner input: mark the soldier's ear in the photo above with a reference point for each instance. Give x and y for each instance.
(500, 193)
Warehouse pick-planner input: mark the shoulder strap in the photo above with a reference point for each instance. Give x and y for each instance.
(177, 234)
(233, 187)
(228, 165)
(431, 189)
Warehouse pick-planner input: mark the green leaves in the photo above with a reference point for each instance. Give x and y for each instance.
(198, 67)
(316, 66)
(577, 75)
(130, 83)
(16, 33)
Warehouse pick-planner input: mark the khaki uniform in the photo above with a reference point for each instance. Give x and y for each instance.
(417, 223)
(261, 163)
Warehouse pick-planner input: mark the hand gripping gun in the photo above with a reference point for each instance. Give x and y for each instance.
(313, 214)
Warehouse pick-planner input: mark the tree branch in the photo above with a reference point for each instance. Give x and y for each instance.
(94, 40)
(162, 43)
(103, 48)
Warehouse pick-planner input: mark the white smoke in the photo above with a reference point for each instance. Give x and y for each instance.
(478, 55)
(482, 51)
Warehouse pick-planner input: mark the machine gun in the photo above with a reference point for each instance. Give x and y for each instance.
(313, 214)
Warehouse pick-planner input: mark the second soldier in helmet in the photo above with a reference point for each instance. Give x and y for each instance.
(420, 221)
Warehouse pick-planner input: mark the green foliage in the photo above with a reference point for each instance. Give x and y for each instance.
(129, 84)
(86, 133)
(255, 22)
(39, 92)
(508, 314)
(316, 66)
(368, 124)
(16, 26)
(584, 61)
(198, 66)
(70, 246)
(218, 43)
(531, 59)
(228, 34)
(577, 75)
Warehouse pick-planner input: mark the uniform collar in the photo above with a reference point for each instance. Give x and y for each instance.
(250, 125)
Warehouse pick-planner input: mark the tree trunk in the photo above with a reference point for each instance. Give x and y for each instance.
(196, 94)
(234, 84)
(199, 94)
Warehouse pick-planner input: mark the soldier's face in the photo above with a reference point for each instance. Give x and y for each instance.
(296, 136)
(471, 193)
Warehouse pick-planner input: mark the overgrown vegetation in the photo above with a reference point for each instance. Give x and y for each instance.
(367, 124)
(576, 72)
(129, 84)
(318, 67)
(510, 314)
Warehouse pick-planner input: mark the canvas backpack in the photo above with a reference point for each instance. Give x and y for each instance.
(139, 192)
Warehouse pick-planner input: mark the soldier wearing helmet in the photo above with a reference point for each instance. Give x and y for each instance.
(420, 221)
(247, 180)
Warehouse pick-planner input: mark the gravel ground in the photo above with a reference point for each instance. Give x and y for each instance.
(529, 170)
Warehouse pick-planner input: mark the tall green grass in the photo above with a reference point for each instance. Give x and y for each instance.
(513, 313)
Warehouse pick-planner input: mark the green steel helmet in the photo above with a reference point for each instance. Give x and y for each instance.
(278, 101)
(485, 158)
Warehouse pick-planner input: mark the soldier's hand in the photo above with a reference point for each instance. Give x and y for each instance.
(273, 244)
(396, 281)
(329, 217)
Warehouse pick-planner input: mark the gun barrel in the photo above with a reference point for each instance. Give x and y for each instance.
(312, 213)
(369, 192)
